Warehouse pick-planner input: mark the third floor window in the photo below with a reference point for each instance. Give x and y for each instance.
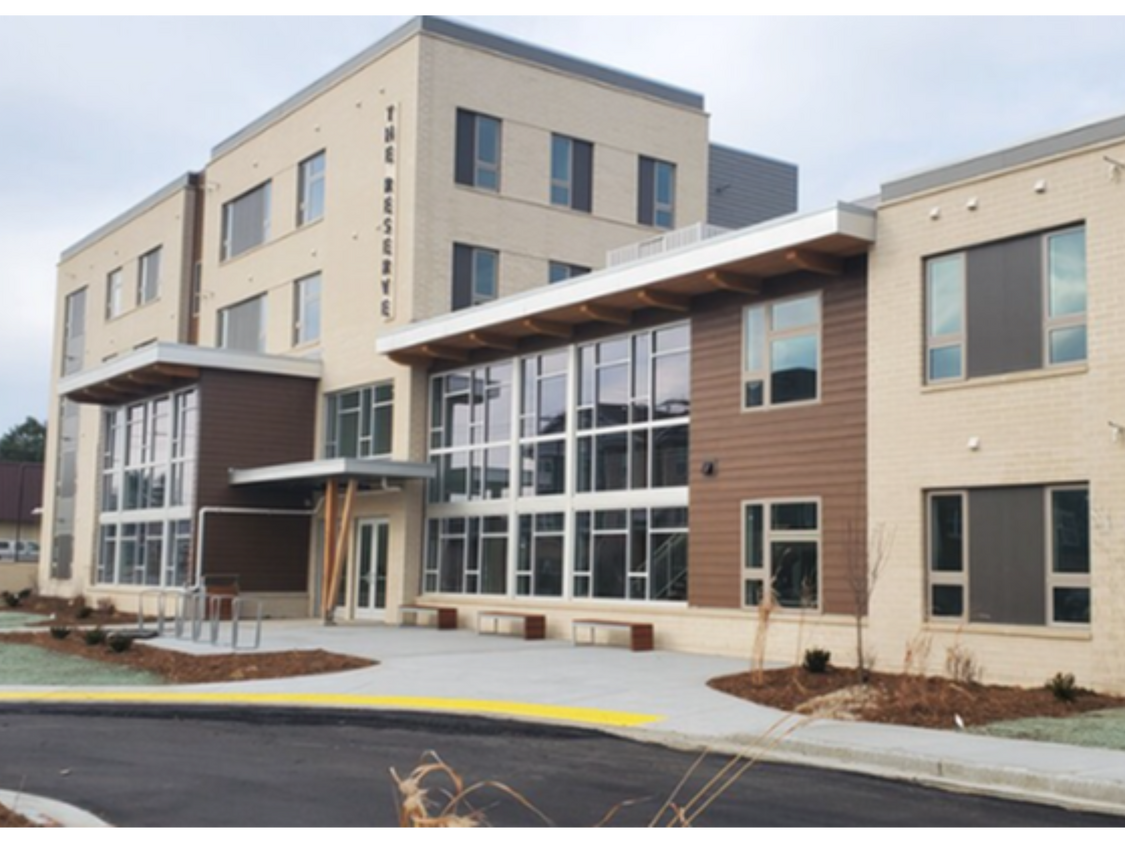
(246, 221)
(478, 151)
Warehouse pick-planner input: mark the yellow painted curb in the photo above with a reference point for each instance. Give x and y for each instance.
(571, 714)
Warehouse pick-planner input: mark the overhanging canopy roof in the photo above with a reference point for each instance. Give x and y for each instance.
(163, 367)
(741, 261)
(315, 473)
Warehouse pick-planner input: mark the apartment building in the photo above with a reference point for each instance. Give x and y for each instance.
(910, 405)
(220, 409)
(996, 320)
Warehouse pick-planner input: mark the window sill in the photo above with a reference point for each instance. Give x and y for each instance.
(1008, 631)
(775, 408)
(1008, 378)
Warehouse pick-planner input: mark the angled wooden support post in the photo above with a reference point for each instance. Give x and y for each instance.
(343, 541)
(330, 501)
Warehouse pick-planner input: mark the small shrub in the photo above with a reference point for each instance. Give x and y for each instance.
(120, 644)
(60, 633)
(961, 665)
(97, 636)
(1064, 687)
(106, 607)
(10, 600)
(24, 594)
(816, 660)
(84, 612)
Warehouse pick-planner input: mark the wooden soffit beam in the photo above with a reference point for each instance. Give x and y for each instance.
(488, 340)
(444, 353)
(814, 262)
(606, 313)
(664, 301)
(735, 283)
(548, 328)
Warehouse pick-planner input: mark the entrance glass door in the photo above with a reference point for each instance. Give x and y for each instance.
(372, 536)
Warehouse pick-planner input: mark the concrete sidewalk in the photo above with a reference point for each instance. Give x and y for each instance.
(656, 697)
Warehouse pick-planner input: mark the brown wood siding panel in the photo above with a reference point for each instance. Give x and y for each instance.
(247, 421)
(815, 451)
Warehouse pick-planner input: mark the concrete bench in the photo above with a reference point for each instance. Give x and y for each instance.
(640, 633)
(534, 626)
(445, 617)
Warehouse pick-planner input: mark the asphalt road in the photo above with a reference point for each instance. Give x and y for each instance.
(137, 766)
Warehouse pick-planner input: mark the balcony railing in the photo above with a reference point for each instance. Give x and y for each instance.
(660, 244)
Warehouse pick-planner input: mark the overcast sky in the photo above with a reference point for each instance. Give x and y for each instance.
(95, 114)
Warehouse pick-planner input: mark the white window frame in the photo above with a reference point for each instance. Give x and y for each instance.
(1051, 324)
(225, 253)
(1064, 580)
(224, 325)
(765, 372)
(307, 180)
(947, 578)
(115, 293)
(952, 340)
(148, 281)
(477, 298)
(769, 537)
(301, 299)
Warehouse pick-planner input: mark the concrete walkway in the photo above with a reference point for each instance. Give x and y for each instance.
(657, 697)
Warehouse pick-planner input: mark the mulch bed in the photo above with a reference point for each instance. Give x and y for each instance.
(182, 668)
(904, 699)
(69, 612)
(9, 819)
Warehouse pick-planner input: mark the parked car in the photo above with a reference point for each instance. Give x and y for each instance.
(24, 551)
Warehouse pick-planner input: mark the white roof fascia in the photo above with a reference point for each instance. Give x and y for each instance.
(772, 236)
(176, 354)
(340, 466)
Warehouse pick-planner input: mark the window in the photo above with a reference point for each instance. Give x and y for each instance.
(1010, 555)
(148, 277)
(656, 195)
(74, 332)
(147, 491)
(475, 275)
(246, 222)
(478, 151)
(539, 563)
(634, 399)
(310, 189)
(114, 294)
(543, 424)
(781, 352)
(1010, 306)
(781, 553)
(467, 556)
(360, 423)
(572, 173)
(636, 555)
(306, 310)
(243, 326)
(561, 272)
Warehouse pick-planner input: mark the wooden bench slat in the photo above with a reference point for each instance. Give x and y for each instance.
(641, 634)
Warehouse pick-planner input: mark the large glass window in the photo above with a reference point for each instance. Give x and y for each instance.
(1010, 306)
(636, 555)
(360, 422)
(781, 352)
(505, 439)
(781, 553)
(992, 574)
(147, 491)
(634, 399)
(246, 222)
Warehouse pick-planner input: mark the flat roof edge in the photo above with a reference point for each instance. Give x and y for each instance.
(471, 36)
(203, 357)
(122, 219)
(1005, 158)
(842, 218)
